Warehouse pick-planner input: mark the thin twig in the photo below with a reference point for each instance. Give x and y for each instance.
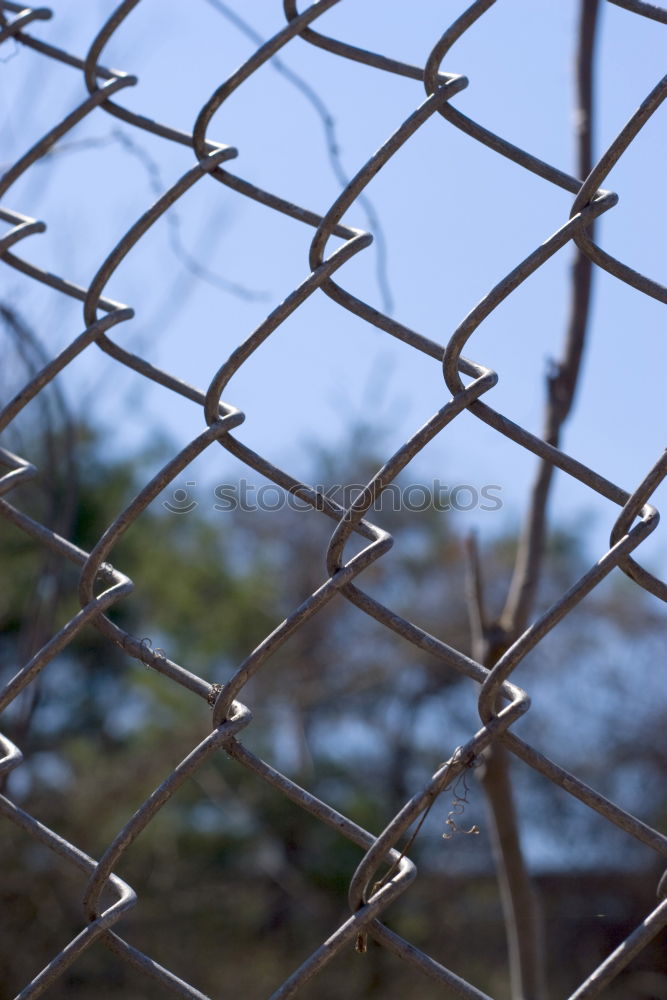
(173, 221)
(332, 146)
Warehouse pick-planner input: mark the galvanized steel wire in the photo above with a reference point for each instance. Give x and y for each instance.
(470, 382)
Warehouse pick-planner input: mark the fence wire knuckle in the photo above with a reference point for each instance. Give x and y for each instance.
(101, 585)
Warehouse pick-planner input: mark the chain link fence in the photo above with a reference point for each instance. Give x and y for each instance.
(386, 870)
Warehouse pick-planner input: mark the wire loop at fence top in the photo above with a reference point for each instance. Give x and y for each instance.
(471, 383)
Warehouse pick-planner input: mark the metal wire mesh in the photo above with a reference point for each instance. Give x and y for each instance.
(501, 702)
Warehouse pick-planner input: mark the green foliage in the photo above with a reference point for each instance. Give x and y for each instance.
(357, 715)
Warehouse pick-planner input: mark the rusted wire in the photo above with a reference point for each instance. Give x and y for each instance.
(101, 586)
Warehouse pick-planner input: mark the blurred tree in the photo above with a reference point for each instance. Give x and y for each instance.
(356, 715)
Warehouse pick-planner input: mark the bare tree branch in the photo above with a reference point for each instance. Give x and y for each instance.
(520, 906)
(563, 379)
(475, 597)
(332, 146)
(58, 490)
(521, 910)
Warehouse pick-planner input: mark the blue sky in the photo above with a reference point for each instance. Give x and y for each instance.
(455, 218)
